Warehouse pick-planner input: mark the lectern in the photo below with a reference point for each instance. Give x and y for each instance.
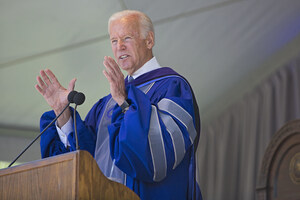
(74, 175)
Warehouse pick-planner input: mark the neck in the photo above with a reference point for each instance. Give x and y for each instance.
(148, 58)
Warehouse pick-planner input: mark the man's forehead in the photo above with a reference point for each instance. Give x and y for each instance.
(124, 27)
(128, 21)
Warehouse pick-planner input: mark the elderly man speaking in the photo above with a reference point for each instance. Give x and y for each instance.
(145, 132)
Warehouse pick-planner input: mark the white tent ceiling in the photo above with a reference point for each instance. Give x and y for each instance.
(222, 47)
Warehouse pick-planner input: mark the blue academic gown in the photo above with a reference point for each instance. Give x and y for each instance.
(153, 144)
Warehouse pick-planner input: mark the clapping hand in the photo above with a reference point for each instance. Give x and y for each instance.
(54, 93)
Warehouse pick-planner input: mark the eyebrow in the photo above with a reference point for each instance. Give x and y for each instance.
(127, 35)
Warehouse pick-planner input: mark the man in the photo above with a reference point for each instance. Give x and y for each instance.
(145, 133)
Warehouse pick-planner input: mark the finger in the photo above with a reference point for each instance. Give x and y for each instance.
(52, 77)
(114, 63)
(39, 89)
(45, 77)
(118, 75)
(108, 66)
(109, 74)
(108, 77)
(113, 70)
(114, 66)
(72, 84)
(41, 83)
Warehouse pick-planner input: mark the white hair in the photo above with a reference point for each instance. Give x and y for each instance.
(145, 22)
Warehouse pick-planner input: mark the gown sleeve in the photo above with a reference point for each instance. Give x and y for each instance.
(154, 135)
(50, 142)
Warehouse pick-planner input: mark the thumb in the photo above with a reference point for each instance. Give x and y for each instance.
(72, 84)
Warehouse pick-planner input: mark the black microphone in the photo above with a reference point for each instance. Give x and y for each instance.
(71, 96)
(79, 98)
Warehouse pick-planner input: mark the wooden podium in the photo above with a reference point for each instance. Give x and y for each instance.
(74, 175)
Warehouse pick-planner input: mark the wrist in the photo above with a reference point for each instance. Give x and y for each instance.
(65, 116)
(124, 106)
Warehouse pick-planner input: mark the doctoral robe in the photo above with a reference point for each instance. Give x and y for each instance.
(151, 147)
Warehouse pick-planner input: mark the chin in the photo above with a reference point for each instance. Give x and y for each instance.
(125, 67)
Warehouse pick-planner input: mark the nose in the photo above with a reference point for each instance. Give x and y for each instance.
(121, 45)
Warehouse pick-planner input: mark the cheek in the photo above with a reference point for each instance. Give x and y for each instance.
(135, 52)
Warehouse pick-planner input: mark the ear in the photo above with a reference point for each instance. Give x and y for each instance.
(150, 40)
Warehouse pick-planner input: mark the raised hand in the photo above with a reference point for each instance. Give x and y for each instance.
(54, 93)
(116, 80)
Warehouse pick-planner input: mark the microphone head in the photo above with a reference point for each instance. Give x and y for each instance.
(71, 96)
(79, 98)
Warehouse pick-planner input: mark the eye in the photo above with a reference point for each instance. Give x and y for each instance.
(127, 38)
(114, 41)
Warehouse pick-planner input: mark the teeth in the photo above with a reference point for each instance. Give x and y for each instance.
(124, 56)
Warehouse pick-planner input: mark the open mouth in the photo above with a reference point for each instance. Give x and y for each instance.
(123, 57)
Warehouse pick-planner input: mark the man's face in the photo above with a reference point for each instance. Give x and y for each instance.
(130, 50)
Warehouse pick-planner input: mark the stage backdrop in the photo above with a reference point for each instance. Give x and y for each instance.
(232, 146)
